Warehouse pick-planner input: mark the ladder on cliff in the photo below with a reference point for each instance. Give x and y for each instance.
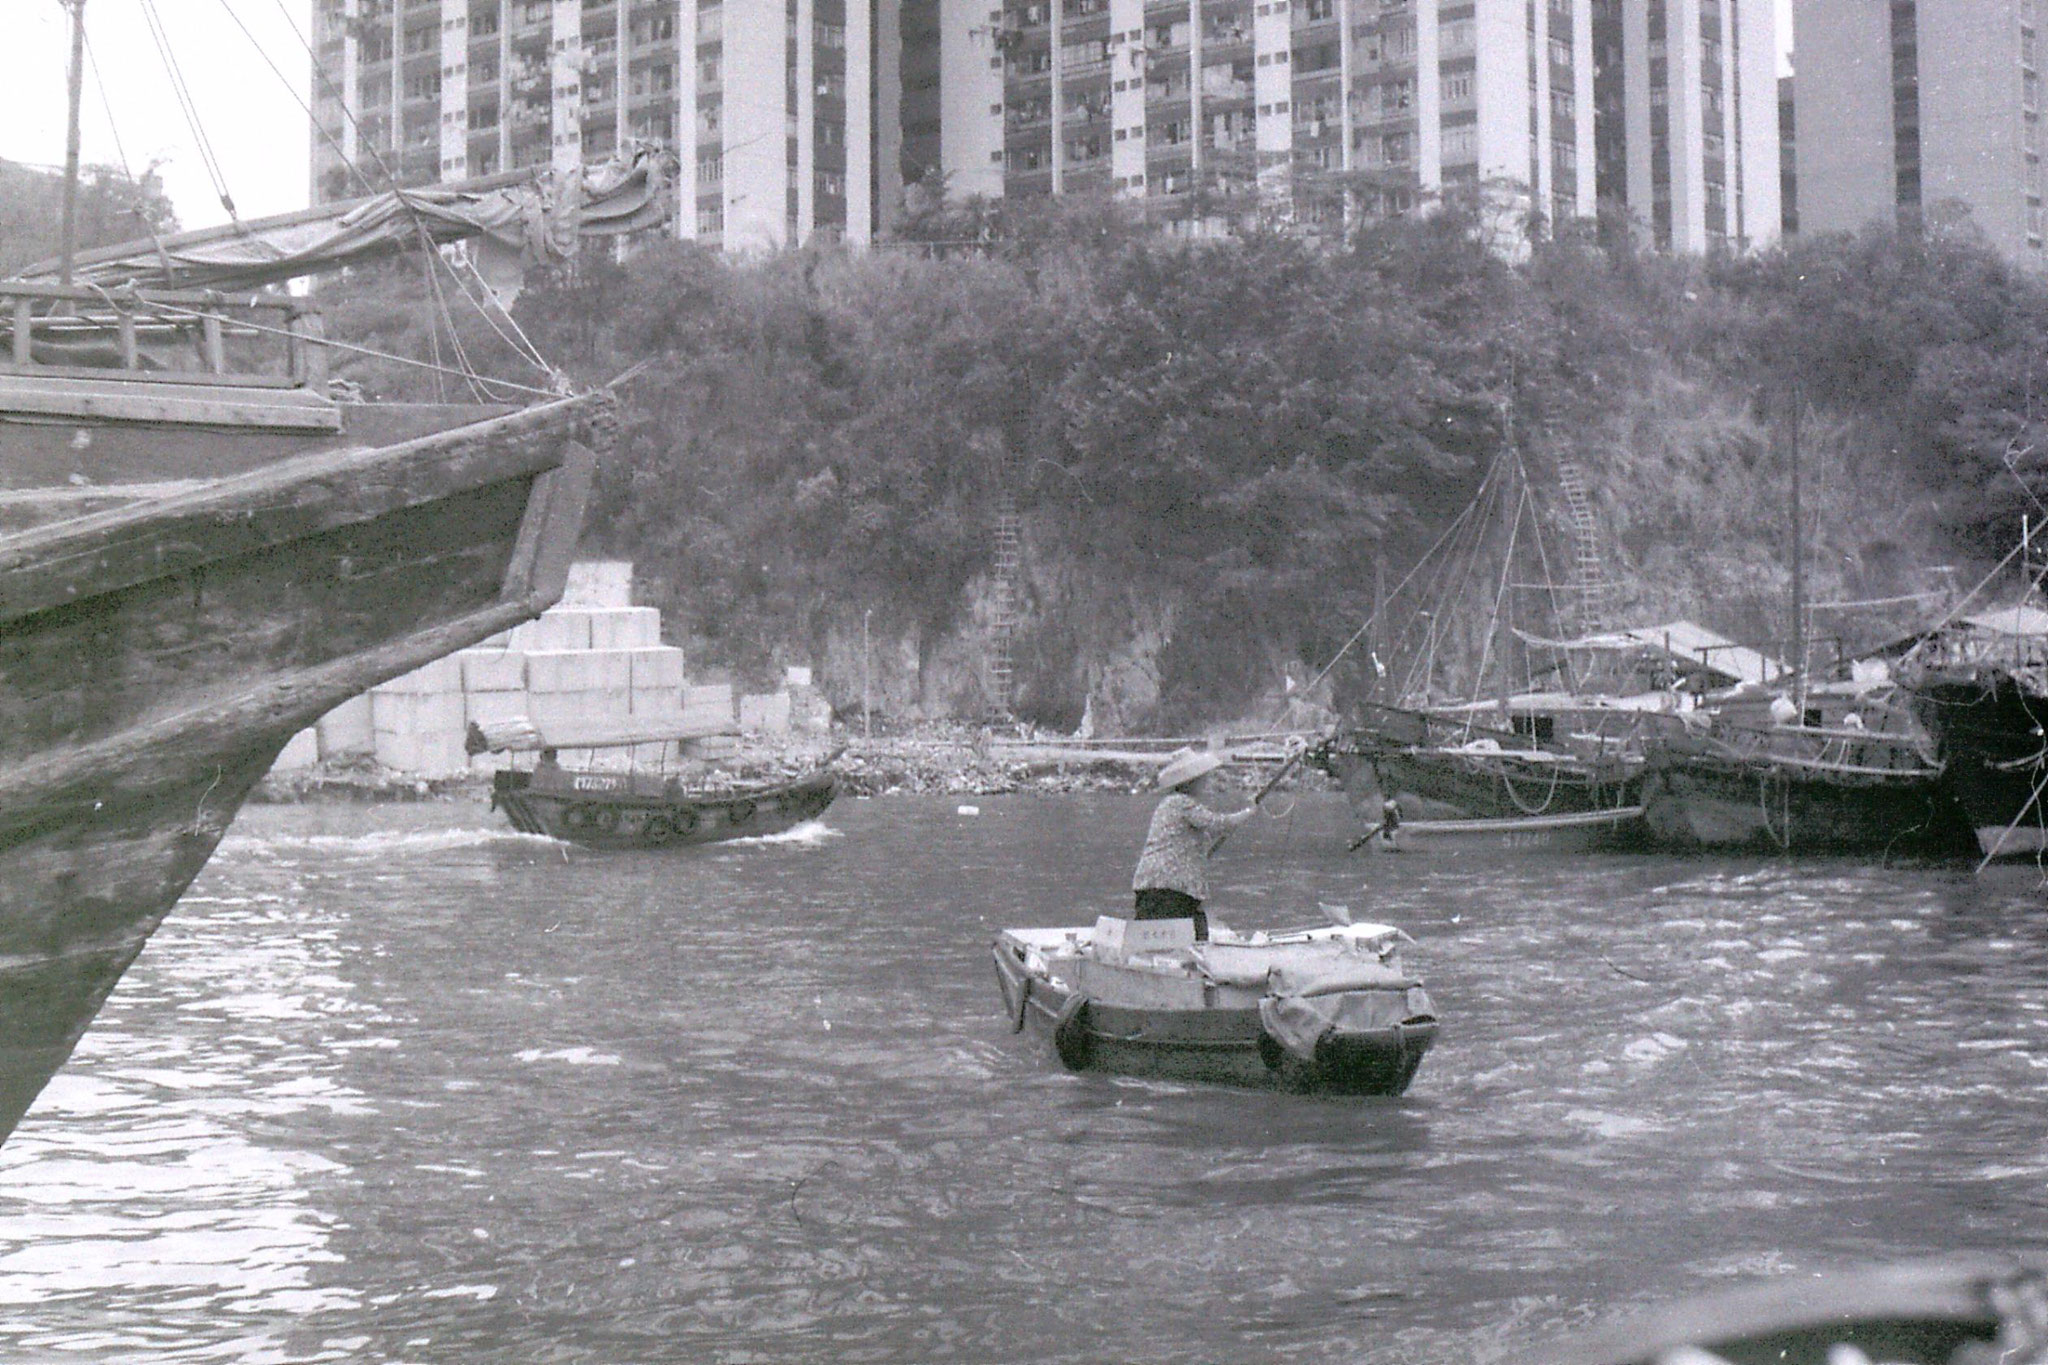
(1003, 605)
(1591, 592)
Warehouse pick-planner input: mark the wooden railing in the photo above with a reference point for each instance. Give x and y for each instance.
(166, 336)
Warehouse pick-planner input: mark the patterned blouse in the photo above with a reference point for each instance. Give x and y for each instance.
(1177, 845)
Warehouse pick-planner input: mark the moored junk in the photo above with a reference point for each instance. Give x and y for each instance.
(1513, 702)
(1329, 1010)
(1853, 771)
(1980, 685)
(208, 555)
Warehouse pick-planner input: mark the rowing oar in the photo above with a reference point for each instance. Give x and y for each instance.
(1265, 791)
(1362, 840)
(1390, 820)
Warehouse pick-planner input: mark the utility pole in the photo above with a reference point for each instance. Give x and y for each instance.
(867, 728)
(76, 80)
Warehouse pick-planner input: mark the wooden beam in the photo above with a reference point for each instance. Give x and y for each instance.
(75, 560)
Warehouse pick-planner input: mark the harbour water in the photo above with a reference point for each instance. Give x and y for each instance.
(395, 1084)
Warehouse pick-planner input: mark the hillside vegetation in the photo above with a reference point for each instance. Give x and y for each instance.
(1220, 450)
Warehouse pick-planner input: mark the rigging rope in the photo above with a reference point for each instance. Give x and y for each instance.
(100, 84)
(175, 311)
(185, 102)
(318, 126)
(443, 315)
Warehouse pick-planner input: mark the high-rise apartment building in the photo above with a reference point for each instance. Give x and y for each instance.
(1211, 111)
(766, 101)
(1916, 109)
(1688, 119)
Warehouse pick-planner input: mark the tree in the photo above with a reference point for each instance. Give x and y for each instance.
(111, 207)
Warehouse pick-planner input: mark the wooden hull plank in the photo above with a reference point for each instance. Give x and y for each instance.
(147, 702)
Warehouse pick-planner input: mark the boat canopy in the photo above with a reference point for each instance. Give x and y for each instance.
(1685, 640)
(2021, 621)
(522, 735)
(517, 220)
(1973, 634)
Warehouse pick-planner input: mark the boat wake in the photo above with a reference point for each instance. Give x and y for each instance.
(378, 842)
(810, 834)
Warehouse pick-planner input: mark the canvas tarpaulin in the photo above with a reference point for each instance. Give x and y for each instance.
(515, 223)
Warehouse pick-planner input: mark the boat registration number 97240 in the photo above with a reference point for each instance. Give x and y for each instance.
(597, 784)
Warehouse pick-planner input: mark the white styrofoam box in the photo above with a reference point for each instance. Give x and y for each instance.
(403, 713)
(302, 751)
(599, 583)
(1117, 938)
(711, 747)
(765, 713)
(658, 666)
(442, 675)
(624, 627)
(346, 729)
(797, 675)
(488, 707)
(658, 701)
(580, 670)
(710, 696)
(590, 704)
(492, 670)
(502, 640)
(555, 628)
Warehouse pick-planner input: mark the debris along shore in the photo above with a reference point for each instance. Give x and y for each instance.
(934, 759)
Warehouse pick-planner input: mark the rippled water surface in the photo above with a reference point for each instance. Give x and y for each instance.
(395, 1084)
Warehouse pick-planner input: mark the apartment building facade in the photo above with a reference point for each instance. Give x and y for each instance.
(765, 101)
(1917, 110)
(1687, 94)
(1212, 111)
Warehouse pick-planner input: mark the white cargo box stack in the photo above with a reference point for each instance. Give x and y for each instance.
(556, 629)
(417, 721)
(566, 686)
(628, 630)
(595, 657)
(657, 694)
(623, 627)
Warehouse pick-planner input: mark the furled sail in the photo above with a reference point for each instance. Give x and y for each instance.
(516, 221)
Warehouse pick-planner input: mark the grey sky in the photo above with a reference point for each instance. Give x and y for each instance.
(251, 118)
(257, 129)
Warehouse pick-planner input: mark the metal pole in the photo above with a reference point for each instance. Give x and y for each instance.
(867, 730)
(76, 80)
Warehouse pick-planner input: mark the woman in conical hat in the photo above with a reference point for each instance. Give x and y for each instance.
(1172, 871)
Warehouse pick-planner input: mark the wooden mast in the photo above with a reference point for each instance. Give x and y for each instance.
(1798, 562)
(75, 80)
